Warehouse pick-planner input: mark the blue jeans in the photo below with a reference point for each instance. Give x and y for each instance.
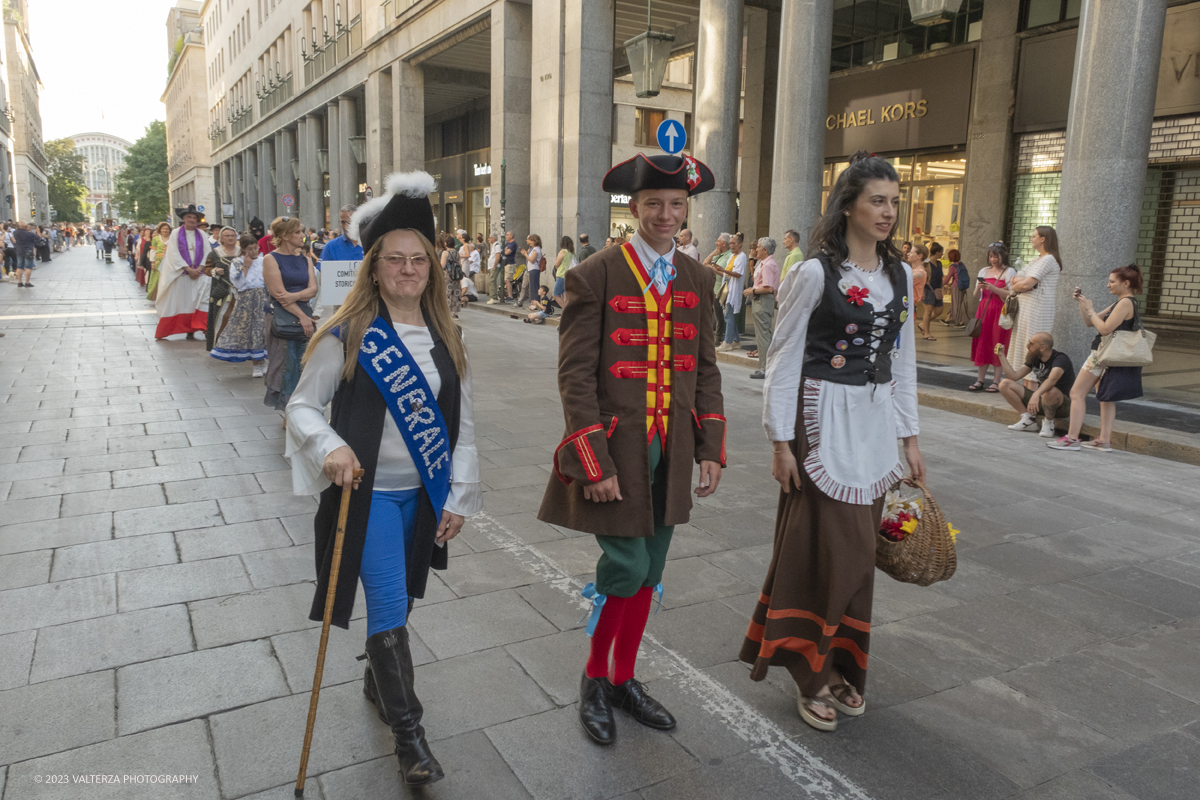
(731, 331)
(384, 572)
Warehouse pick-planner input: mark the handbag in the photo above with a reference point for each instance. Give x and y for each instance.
(974, 327)
(286, 325)
(1008, 312)
(1132, 348)
(924, 556)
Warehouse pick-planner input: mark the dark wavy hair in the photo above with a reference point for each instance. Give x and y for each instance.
(1131, 274)
(829, 234)
(1000, 250)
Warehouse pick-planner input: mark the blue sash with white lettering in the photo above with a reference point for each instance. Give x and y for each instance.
(413, 406)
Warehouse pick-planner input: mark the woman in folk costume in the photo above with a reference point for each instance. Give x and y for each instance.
(390, 354)
(641, 394)
(156, 253)
(840, 389)
(183, 287)
(221, 297)
(244, 336)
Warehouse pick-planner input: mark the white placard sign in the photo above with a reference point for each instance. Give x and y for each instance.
(336, 279)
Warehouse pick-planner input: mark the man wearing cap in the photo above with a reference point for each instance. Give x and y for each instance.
(641, 394)
(183, 288)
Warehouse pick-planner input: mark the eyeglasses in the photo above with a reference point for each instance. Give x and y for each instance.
(418, 262)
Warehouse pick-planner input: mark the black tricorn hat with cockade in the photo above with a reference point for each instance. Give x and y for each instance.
(406, 205)
(659, 172)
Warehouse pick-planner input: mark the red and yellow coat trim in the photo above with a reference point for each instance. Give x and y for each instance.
(587, 456)
(724, 426)
(657, 307)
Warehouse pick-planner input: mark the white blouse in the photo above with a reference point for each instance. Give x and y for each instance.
(243, 277)
(310, 437)
(852, 430)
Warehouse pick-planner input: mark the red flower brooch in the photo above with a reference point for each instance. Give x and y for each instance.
(857, 295)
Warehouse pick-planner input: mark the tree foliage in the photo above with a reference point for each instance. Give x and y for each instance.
(65, 182)
(144, 180)
(175, 51)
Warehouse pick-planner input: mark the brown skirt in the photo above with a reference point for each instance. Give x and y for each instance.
(814, 613)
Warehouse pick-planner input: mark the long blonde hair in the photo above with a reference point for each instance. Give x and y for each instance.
(362, 306)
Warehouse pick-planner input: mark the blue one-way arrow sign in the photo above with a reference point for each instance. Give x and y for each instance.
(671, 136)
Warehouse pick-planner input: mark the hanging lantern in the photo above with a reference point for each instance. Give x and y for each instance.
(933, 12)
(648, 54)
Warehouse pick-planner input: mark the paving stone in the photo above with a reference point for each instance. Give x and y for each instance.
(186, 454)
(181, 687)
(30, 470)
(299, 527)
(24, 569)
(184, 426)
(111, 641)
(347, 732)
(1119, 706)
(936, 654)
(55, 533)
(436, 590)
(479, 573)
(537, 747)
(1165, 594)
(181, 517)
(511, 477)
(705, 634)
(1162, 768)
(59, 484)
(687, 581)
(1016, 629)
(216, 468)
(258, 447)
(105, 433)
(476, 691)
(113, 555)
(473, 770)
(231, 539)
(217, 436)
(1026, 741)
(80, 503)
(565, 609)
(297, 654)
(280, 566)
(1091, 609)
(16, 654)
(211, 489)
(159, 441)
(1076, 785)
(173, 750)
(108, 463)
(575, 556)
(1022, 562)
(179, 583)
(156, 474)
(1163, 657)
(478, 623)
(264, 506)
(31, 717)
(32, 510)
(55, 603)
(252, 615)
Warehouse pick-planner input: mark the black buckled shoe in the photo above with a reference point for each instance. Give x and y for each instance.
(388, 683)
(595, 709)
(632, 697)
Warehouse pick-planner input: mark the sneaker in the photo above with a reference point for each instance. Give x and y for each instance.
(757, 375)
(1064, 443)
(1096, 446)
(1025, 423)
(1047, 431)
(258, 372)
(492, 302)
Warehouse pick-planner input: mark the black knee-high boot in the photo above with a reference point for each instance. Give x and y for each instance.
(388, 683)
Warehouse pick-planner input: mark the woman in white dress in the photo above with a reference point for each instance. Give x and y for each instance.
(1035, 287)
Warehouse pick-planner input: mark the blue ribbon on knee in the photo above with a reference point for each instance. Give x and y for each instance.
(593, 616)
(658, 590)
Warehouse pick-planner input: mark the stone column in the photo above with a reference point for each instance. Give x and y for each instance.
(990, 141)
(512, 41)
(800, 106)
(408, 117)
(285, 150)
(267, 198)
(758, 125)
(310, 172)
(378, 96)
(249, 165)
(1108, 143)
(347, 163)
(333, 135)
(717, 99)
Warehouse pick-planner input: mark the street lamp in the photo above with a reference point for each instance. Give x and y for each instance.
(648, 53)
(933, 12)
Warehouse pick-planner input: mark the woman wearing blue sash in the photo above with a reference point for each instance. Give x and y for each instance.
(393, 364)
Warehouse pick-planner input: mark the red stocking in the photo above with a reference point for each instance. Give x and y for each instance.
(629, 637)
(602, 637)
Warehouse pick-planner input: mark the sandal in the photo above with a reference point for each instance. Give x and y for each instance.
(839, 700)
(993, 388)
(975, 387)
(806, 704)
(752, 354)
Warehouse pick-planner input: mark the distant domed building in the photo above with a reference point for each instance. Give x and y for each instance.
(103, 159)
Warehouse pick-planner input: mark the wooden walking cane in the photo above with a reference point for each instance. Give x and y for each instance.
(329, 595)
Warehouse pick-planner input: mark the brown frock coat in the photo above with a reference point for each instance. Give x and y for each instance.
(609, 390)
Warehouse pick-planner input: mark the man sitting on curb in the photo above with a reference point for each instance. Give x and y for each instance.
(1052, 370)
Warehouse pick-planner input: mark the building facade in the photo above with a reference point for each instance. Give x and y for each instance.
(8, 210)
(315, 102)
(103, 159)
(189, 169)
(29, 188)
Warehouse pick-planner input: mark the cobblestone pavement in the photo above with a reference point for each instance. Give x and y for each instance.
(155, 574)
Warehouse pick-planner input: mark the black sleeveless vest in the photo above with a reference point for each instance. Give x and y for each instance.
(840, 332)
(357, 416)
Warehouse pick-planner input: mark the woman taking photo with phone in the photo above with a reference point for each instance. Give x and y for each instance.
(841, 388)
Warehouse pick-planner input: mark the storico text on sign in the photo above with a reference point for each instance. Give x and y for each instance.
(336, 279)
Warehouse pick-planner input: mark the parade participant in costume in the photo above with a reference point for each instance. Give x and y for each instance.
(183, 287)
(841, 387)
(641, 394)
(244, 335)
(221, 298)
(156, 253)
(407, 364)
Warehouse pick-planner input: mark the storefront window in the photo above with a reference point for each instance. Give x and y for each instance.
(1045, 12)
(646, 122)
(931, 190)
(871, 31)
(479, 214)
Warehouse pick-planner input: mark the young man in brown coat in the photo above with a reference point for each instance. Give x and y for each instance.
(641, 393)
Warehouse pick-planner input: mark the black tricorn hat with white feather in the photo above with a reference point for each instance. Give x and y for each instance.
(406, 205)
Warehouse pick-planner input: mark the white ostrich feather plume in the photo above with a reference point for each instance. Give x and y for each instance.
(411, 184)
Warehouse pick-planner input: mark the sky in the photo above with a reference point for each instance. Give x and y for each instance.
(103, 65)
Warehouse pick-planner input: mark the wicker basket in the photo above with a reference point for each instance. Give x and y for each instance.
(926, 555)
